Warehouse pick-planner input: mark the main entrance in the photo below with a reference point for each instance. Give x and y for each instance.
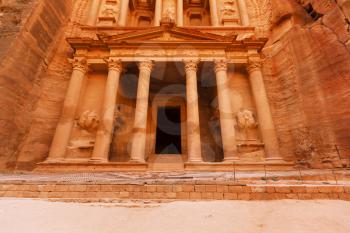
(168, 134)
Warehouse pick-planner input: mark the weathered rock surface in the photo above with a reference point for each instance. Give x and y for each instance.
(307, 76)
(29, 32)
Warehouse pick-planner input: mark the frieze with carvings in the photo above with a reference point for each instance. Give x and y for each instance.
(229, 13)
(109, 13)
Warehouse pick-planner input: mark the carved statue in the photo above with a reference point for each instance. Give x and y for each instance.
(169, 13)
(85, 139)
(246, 121)
(118, 118)
(110, 11)
(88, 120)
(228, 10)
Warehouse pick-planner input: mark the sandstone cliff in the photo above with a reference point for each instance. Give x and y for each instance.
(307, 74)
(29, 30)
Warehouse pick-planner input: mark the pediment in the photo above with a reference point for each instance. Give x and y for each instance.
(161, 34)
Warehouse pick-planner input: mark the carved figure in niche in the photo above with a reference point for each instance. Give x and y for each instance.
(88, 123)
(118, 118)
(170, 13)
(246, 122)
(109, 11)
(228, 10)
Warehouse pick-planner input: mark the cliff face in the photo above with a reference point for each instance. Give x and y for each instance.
(307, 75)
(29, 31)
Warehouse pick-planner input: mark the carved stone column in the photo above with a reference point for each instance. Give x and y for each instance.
(180, 13)
(213, 13)
(123, 12)
(93, 12)
(266, 124)
(243, 12)
(193, 127)
(104, 132)
(66, 121)
(138, 149)
(158, 12)
(226, 115)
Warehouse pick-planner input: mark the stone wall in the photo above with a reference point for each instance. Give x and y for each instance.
(307, 67)
(29, 31)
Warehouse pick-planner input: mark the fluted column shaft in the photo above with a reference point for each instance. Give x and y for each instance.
(123, 12)
(226, 114)
(104, 132)
(93, 12)
(180, 13)
(213, 13)
(138, 149)
(158, 12)
(193, 126)
(265, 120)
(66, 122)
(243, 12)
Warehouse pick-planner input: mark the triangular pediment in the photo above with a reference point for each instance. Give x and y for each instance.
(163, 34)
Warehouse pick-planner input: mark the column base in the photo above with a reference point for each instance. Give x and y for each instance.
(98, 160)
(195, 161)
(54, 160)
(231, 160)
(276, 159)
(137, 161)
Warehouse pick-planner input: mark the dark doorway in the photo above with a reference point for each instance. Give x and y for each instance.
(168, 135)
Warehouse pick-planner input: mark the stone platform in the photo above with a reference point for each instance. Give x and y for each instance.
(161, 166)
(239, 185)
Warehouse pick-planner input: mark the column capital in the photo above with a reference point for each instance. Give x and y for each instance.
(191, 65)
(146, 65)
(79, 63)
(114, 64)
(220, 65)
(254, 63)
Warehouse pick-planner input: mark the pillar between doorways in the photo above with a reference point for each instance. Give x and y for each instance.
(226, 115)
(138, 147)
(193, 126)
(105, 129)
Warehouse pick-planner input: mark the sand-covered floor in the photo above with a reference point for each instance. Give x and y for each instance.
(32, 216)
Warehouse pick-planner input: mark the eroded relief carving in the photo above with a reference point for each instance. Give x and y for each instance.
(246, 122)
(88, 121)
(86, 127)
(109, 12)
(229, 12)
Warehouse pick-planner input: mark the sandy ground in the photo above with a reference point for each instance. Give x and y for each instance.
(32, 216)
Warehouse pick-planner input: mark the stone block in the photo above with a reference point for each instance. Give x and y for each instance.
(183, 195)
(222, 188)
(243, 196)
(311, 189)
(199, 188)
(208, 195)
(258, 189)
(195, 195)
(210, 188)
(77, 188)
(93, 188)
(230, 196)
(282, 189)
(298, 189)
(218, 196)
(188, 188)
